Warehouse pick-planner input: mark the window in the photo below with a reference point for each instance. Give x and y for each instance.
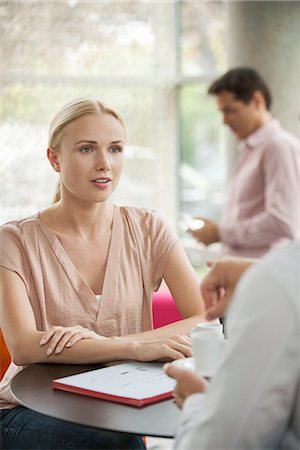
(202, 59)
(151, 61)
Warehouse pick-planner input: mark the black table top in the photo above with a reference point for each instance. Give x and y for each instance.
(33, 388)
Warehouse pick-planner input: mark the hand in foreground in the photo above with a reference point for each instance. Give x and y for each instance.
(58, 338)
(218, 285)
(164, 349)
(187, 383)
(208, 234)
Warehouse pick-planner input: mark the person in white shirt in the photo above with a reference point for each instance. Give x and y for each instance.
(253, 402)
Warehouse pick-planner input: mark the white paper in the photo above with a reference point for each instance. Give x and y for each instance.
(134, 380)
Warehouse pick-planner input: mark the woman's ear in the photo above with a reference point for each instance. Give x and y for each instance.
(52, 156)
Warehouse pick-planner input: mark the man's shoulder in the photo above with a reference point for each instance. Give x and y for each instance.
(268, 293)
(284, 262)
(277, 276)
(279, 136)
(271, 137)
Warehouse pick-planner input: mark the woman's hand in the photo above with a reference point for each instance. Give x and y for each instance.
(188, 383)
(165, 349)
(59, 338)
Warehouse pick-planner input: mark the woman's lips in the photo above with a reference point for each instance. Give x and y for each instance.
(102, 182)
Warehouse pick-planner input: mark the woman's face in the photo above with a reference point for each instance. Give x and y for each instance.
(91, 156)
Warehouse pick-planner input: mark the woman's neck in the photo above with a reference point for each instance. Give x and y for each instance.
(85, 221)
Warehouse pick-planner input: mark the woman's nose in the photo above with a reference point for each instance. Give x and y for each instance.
(102, 162)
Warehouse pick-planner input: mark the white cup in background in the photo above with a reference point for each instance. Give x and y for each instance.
(187, 223)
(208, 345)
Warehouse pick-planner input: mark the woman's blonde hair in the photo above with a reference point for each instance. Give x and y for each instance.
(67, 114)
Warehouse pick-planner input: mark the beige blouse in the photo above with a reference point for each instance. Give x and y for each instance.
(139, 250)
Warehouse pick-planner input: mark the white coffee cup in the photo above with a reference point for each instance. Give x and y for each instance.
(208, 327)
(208, 345)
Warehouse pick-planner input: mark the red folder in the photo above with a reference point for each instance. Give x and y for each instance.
(113, 398)
(132, 383)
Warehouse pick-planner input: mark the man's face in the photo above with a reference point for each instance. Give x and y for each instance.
(242, 118)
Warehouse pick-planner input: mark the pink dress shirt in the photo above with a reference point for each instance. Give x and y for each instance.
(263, 202)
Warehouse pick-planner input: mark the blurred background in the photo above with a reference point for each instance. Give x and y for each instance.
(152, 61)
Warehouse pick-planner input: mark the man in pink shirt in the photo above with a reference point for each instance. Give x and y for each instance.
(262, 209)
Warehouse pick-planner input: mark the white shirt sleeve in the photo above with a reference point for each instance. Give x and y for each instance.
(249, 401)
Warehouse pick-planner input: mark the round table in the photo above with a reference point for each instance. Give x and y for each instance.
(33, 388)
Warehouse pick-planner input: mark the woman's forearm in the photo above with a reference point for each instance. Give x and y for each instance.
(86, 351)
(183, 326)
(93, 350)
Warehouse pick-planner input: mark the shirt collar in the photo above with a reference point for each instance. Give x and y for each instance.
(260, 135)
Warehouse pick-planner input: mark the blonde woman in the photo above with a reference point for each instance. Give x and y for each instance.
(78, 277)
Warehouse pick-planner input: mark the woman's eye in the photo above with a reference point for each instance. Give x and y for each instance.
(116, 149)
(86, 149)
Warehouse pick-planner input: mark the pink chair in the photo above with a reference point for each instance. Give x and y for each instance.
(4, 356)
(164, 309)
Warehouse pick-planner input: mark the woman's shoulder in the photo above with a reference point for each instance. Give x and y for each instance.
(137, 212)
(16, 238)
(142, 216)
(147, 222)
(14, 228)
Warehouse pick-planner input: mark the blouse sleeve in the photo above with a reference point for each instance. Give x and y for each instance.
(163, 239)
(12, 253)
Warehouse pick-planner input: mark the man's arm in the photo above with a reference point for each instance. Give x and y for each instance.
(247, 404)
(219, 284)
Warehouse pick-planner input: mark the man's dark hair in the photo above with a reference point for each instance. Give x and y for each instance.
(242, 82)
